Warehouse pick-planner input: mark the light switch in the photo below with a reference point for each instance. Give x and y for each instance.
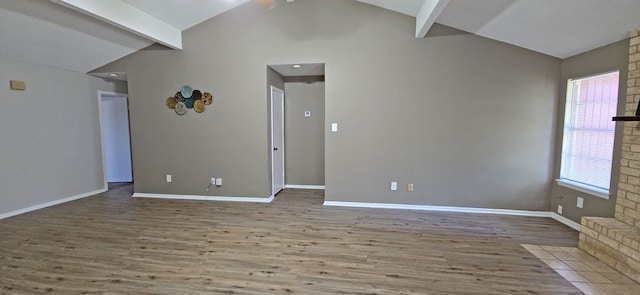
(580, 202)
(334, 127)
(168, 177)
(394, 186)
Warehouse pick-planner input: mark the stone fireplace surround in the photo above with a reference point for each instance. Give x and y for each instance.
(616, 241)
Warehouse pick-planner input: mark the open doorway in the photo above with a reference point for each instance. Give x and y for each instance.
(304, 120)
(116, 139)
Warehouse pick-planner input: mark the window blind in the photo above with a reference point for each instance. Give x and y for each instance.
(587, 148)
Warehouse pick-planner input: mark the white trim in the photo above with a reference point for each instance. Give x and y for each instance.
(566, 221)
(204, 198)
(52, 203)
(587, 189)
(559, 218)
(303, 186)
(438, 208)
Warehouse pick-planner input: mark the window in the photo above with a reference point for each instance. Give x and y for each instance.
(587, 147)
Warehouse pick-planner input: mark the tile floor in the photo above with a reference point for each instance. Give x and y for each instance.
(584, 271)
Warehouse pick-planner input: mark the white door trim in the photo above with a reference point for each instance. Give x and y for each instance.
(273, 177)
(102, 148)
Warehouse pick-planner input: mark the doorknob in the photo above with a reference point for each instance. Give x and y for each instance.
(275, 148)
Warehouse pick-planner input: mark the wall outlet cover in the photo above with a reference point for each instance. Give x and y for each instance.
(394, 186)
(560, 209)
(168, 177)
(219, 181)
(580, 202)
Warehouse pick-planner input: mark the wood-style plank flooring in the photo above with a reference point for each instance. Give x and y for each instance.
(114, 244)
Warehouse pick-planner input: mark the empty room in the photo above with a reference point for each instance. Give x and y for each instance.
(319, 147)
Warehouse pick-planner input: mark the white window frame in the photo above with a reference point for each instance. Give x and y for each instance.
(575, 185)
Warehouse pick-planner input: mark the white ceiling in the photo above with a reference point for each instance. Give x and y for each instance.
(557, 28)
(288, 70)
(44, 33)
(408, 7)
(184, 14)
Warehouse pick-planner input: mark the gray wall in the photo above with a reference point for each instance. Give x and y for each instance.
(304, 137)
(605, 59)
(50, 137)
(468, 120)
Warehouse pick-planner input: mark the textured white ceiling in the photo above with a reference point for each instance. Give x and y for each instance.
(408, 7)
(183, 14)
(44, 33)
(305, 70)
(557, 28)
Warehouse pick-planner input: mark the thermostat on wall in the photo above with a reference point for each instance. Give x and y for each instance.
(307, 114)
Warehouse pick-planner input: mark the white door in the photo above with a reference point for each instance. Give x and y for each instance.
(115, 138)
(277, 139)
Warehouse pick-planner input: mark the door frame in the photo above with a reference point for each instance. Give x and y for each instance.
(102, 146)
(273, 166)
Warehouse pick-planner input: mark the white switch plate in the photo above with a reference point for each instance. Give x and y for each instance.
(168, 177)
(219, 181)
(559, 209)
(394, 186)
(213, 180)
(334, 127)
(580, 202)
(307, 114)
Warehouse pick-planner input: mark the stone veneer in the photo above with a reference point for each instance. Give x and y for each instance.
(616, 241)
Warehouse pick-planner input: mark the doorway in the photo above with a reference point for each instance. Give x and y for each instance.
(116, 139)
(277, 139)
(301, 133)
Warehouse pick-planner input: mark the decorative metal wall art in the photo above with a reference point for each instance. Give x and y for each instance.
(188, 98)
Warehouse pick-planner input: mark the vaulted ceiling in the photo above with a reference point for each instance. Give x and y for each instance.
(81, 35)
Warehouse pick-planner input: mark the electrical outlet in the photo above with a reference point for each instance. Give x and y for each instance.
(410, 187)
(218, 181)
(168, 178)
(394, 186)
(560, 209)
(580, 202)
(213, 180)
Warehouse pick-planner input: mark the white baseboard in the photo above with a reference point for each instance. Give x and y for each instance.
(439, 208)
(303, 186)
(52, 203)
(566, 221)
(204, 198)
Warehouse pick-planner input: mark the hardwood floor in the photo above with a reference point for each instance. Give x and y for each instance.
(114, 244)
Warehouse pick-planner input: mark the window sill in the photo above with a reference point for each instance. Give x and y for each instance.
(594, 191)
